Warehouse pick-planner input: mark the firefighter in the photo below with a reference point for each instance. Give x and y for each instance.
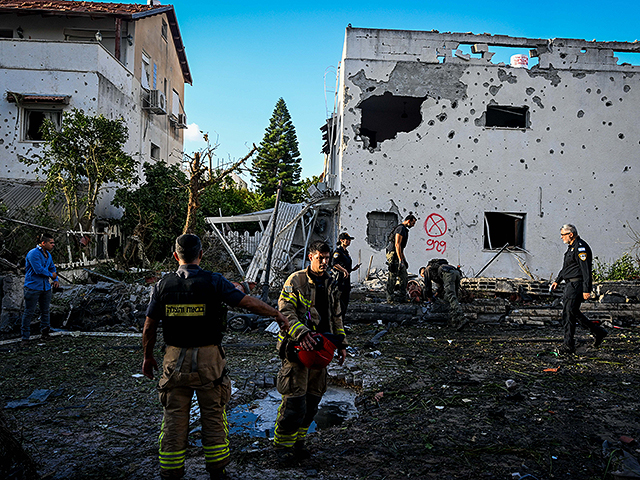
(190, 304)
(310, 300)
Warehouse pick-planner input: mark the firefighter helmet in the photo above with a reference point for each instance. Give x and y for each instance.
(320, 356)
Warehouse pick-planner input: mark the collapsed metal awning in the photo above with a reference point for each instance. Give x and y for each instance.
(294, 227)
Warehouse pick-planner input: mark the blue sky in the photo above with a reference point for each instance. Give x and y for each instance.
(245, 55)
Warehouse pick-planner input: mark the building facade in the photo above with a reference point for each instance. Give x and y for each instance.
(120, 60)
(485, 154)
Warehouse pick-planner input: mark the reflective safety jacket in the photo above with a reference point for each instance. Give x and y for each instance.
(297, 303)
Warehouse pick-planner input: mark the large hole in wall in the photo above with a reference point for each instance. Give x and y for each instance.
(498, 54)
(502, 228)
(627, 58)
(379, 227)
(507, 116)
(383, 116)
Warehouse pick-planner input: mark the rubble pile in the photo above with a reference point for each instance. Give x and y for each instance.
(102, 306)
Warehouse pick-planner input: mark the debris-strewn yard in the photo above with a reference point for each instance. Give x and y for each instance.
(435, 404)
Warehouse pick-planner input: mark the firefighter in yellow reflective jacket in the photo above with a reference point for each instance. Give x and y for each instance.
(189, 303)
(310, 300)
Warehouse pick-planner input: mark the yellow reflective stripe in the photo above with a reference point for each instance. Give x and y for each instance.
(171, 460)
(340, 331)
(288, 297)
(284, 440)
(305, 302)
(169, 454)
(216, 453)
(302, 434)
(294, 328)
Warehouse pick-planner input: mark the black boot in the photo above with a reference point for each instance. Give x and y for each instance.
(598, 336)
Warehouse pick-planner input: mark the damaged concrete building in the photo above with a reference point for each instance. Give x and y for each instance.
(483, 153)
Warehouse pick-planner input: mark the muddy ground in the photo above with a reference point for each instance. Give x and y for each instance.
(434, 405)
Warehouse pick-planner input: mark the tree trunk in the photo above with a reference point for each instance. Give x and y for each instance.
(192, 206)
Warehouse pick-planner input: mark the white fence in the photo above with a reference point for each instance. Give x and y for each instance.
(243, 242)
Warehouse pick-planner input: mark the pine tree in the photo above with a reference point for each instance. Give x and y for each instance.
(278, 157)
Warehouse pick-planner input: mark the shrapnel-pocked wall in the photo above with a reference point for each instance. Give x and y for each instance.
(483, 153)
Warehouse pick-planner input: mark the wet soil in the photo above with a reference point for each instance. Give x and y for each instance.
(434, 404)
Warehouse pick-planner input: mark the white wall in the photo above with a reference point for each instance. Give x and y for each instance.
(96, 82)
(578, 162)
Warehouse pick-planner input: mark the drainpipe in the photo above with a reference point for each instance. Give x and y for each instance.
(118, 35)
(265, 285)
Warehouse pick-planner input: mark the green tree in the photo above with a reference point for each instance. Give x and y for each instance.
(80, 159)
(154, 213)
(278, 157)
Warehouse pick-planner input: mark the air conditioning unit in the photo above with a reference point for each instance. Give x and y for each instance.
(157, 102)
(182, 120)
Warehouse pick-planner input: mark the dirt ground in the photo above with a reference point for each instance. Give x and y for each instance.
(434, 405)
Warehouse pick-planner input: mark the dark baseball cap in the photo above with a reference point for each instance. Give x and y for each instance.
(345, 236)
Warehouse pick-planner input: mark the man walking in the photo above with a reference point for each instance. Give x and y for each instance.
(190, 304)
(310, 300)
(576, 272)
(396, 260)
(40, 276)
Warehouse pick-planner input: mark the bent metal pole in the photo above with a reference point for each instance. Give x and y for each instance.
(265, 285)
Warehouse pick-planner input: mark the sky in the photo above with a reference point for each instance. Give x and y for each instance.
(244, 56)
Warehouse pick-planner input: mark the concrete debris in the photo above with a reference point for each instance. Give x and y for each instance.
(613, 297)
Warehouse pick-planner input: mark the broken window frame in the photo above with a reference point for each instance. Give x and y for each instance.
(164, 30)
(53, 114)
(154, 151)
(511, 112)
(145, 73)
(496, 240)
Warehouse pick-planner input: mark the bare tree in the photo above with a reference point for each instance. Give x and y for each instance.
(202, 176)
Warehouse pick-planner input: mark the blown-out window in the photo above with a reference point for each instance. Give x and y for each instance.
(34, 119)
(507, 116)
(502, 229)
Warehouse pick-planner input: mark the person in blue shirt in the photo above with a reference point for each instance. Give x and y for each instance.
(39, 270)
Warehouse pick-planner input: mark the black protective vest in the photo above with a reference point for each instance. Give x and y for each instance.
(193, 314)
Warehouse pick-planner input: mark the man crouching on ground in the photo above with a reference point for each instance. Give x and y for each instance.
(310, 300)
(189, 303)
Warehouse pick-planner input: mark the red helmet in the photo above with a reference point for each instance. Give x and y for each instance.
(320, 356)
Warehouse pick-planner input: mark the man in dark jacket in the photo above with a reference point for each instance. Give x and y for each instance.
(576, 272)
(189, 303)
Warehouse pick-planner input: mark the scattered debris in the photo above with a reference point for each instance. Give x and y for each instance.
(38, 397)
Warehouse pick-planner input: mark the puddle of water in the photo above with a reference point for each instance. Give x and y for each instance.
(258, 419)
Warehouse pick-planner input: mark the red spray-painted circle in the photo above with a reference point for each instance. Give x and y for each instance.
(435, 225)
